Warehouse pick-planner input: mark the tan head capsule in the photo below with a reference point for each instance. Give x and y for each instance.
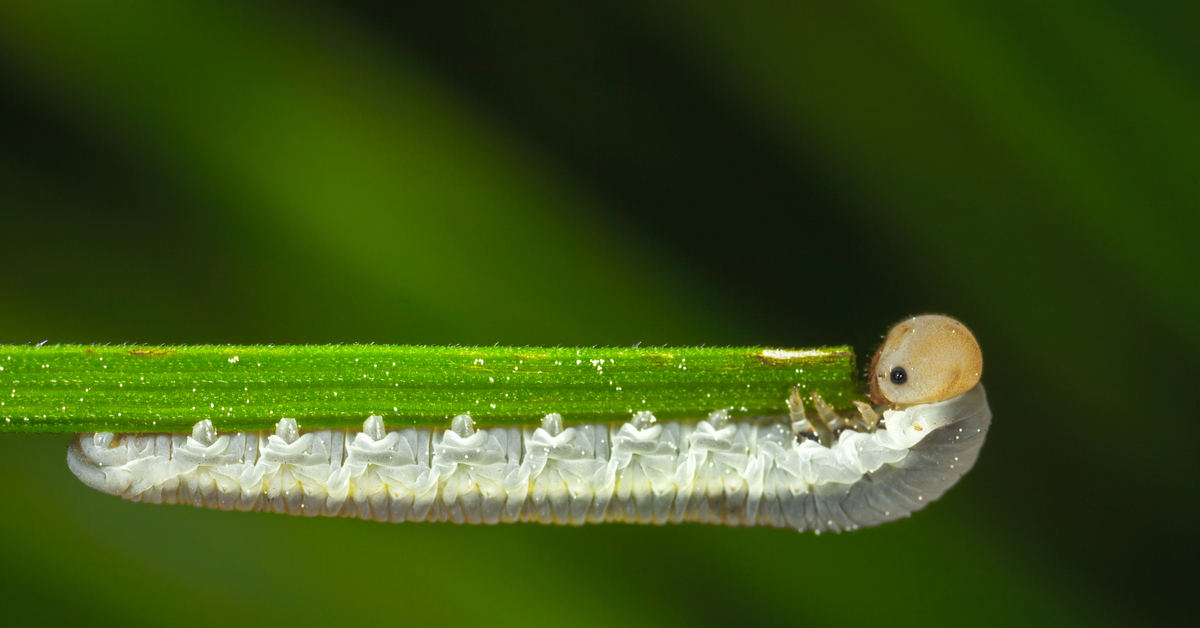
(925, 359)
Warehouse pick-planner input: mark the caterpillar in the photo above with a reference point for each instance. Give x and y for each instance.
(817, 471)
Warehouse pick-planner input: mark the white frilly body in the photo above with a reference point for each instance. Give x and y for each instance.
(746, 472)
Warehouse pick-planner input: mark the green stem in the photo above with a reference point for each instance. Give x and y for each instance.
(80, 388)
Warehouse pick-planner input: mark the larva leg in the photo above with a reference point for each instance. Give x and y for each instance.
(868, 421)
(827, 424)
(828, 416)
(802, 424)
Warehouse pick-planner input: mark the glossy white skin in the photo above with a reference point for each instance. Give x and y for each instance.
(743, 472)
(939, 355)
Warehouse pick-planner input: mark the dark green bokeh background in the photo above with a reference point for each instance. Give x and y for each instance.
(612, 173)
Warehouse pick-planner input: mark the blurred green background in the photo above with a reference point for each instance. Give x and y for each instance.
(611, 173)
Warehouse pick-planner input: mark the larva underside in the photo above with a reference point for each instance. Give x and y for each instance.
(732, 472)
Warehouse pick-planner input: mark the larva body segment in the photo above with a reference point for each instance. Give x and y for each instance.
(752, 472)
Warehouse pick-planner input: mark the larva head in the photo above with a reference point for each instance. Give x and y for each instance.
(925, 359)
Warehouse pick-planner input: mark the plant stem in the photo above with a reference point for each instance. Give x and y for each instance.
(81, 388)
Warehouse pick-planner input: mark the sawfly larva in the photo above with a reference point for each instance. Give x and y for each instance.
(820, 471)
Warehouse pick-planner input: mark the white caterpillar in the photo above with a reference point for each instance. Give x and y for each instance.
(746, 472)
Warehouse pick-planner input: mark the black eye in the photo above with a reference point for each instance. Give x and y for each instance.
(899, 376)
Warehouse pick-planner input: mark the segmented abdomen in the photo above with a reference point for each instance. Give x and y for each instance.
(744, 472)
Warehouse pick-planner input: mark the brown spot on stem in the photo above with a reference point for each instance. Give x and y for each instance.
(142, 352)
